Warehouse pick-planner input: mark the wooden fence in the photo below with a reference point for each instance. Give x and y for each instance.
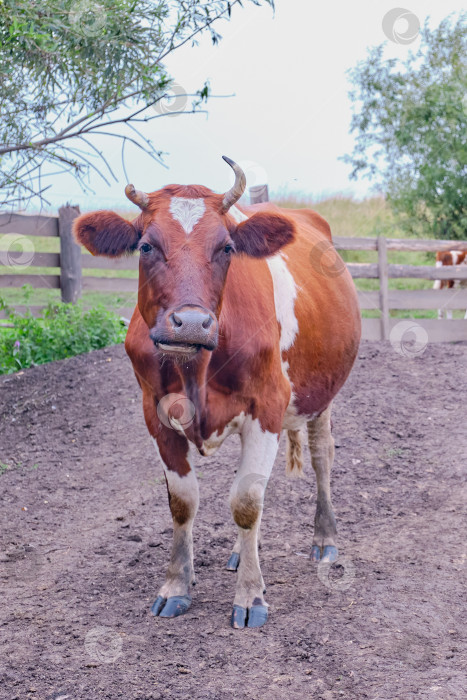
(71, 268)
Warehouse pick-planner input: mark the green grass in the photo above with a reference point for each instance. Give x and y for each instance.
(62, 330)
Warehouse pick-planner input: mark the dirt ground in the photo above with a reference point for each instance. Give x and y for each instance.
(86, 532)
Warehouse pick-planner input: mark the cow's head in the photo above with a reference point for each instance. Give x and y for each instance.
(186, 240)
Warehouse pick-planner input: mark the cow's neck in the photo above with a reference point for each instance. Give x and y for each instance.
(193, 377)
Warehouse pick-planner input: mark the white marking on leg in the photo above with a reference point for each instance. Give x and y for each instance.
(259, 450)
(187, 212)
(185, 487)
(180, 572)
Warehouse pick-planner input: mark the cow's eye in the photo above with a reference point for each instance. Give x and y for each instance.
(145, 248)
(228, 249)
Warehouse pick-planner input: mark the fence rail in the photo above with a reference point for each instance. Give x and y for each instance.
(68, 271)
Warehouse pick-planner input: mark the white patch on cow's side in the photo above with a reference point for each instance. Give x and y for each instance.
(237, 215)
(214, 441)
(455, 256)
(285, 293)
(285, 290)
(187, 212)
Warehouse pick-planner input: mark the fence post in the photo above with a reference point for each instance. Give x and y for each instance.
(259, 193)
(383, 286)
(70, 256)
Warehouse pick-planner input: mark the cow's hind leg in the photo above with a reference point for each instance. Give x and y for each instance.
(321, 445)
(259, 449)
(234, 559)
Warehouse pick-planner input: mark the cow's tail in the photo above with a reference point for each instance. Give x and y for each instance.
(294, 454)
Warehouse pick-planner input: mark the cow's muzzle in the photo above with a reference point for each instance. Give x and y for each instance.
(185, 331)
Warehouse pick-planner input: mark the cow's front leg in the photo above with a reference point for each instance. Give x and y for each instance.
(175, 595)
(259, 449)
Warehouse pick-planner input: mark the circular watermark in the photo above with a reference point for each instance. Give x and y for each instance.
(409, 649)
(88, 17)
(176, 411)
(338, 575)
(28, 562)
(325, 260)
(401, 26)
(172, 102)
(255, 174)
(408, 338)
(17, 250)
(103, 644)
(250, 488)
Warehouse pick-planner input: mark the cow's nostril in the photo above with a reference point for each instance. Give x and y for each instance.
(207, 322)
(176, 320)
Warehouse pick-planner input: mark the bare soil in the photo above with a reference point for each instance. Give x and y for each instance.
(86, 532)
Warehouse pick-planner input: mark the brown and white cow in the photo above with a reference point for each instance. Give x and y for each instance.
(446, 259)
(239, 319)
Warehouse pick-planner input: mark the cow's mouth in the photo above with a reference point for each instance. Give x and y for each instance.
(185, 349)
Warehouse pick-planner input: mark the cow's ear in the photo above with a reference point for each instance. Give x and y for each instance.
(106, 233)
(263, 234)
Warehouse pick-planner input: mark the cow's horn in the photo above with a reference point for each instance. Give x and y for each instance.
(234, 194)
(139, 198)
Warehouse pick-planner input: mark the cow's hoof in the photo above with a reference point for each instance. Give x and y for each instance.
(234, 561)
(158, 605)
(255, 616)
(171, 607)
(238, 618)
(330, 554)
(315, 553)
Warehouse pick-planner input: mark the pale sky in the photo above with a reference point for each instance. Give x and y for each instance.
(288, 121)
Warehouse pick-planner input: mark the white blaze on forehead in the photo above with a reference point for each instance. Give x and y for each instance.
(187, 212)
